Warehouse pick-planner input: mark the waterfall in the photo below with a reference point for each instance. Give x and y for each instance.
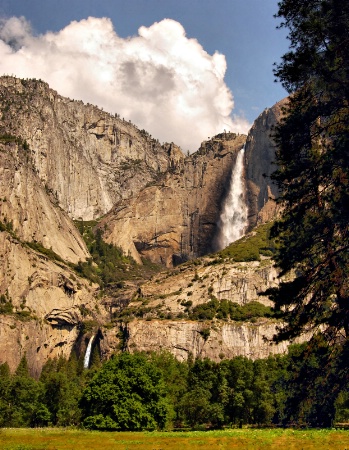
(88, 353)
(233, 219)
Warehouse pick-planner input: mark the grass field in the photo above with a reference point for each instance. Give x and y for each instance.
(59, 439)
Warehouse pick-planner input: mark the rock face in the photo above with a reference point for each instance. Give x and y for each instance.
(184, 338)
(239, 282)
(87, 158)
(260, 164)
(36, 340)
(175, 219)
(60, 159)
(27, 205)
(41, 296)
(47, 304)
(163, 304)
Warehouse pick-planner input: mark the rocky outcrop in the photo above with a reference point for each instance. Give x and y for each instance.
(87, 158)
(164, 303)
(260, 164)
(239, 282)
(60, 159)
(204, 340)
(175, 219)
(43, 302)
(30, 208)
(35, 339)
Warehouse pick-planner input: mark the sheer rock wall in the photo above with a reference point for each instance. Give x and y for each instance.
(175, 219)
(260, 164)
(87, 158)
(76, 161)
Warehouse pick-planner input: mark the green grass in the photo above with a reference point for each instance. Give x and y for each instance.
(60, 439)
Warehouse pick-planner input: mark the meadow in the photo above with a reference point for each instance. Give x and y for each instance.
(68, 439)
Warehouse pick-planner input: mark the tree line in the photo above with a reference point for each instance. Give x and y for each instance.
(146, 391)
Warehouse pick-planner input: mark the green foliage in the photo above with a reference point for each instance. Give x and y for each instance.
(108, 267)
(175, 376)
(205, 333)
(251, 246)
(37, 246)
(313, 168)
(9, 138)
(19, 396)
(313, 383)
(313, 177)
(6, 306)
(226, 309)
(205, 400)
(128, 393)
(342, 407)
(6, 226)
(87, 326)
(63, 383)
(147, 391)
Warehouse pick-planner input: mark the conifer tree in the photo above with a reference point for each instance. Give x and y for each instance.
(313, 176)
(313, 168)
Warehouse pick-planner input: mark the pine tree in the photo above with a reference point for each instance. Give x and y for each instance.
(313, 175)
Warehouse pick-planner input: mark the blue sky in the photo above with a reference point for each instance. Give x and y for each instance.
(244, 31)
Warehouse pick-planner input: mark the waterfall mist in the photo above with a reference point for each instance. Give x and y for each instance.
(233, 219)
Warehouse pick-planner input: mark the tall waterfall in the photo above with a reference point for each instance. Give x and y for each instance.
(233, 219)
(88, 353)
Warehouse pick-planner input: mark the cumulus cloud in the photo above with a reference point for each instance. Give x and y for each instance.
(160, 79)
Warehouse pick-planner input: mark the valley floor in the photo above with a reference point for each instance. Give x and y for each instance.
(64, 439)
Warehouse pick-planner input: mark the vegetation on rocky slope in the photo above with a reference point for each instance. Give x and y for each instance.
(252, 246)
(108, 265)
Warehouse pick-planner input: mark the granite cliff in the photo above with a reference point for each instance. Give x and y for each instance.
(259, 163)
(175, 218)
(87, 158)
(62, 160)
(159, 313)
(41, 296)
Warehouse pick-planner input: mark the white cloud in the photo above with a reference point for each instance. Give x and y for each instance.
(160, 80)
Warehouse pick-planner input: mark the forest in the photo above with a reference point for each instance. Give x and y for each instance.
(156, 391)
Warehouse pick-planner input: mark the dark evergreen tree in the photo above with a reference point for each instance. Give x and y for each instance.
(22, 368)
(62, 390)
(311, 384)
(313, 175)
(22, 397)
(5, 389)
(240, 381)
(207, 394)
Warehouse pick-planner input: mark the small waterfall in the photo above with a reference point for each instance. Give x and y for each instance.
(88, 353)
(233, 219)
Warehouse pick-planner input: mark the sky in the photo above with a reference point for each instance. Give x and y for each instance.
(183, 70)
